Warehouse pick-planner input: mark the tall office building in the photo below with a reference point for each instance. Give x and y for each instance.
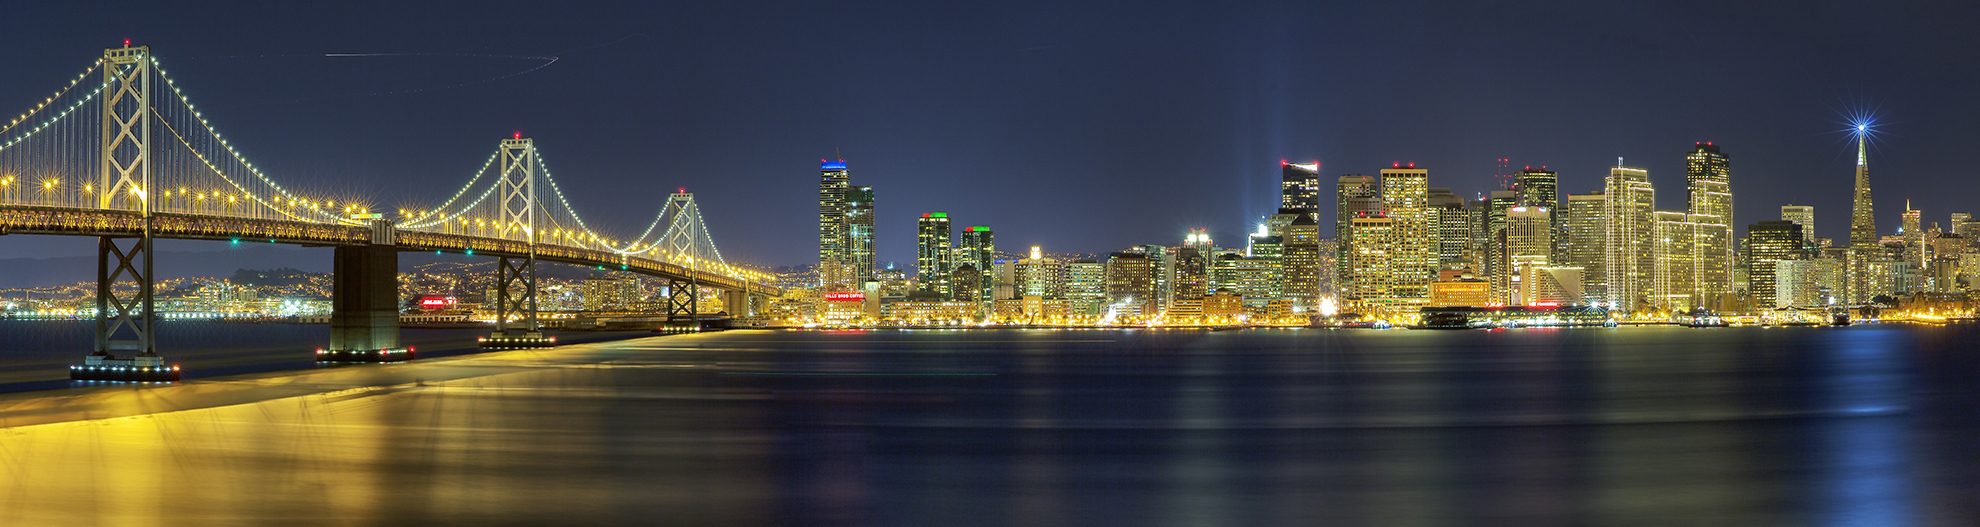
(1190, 280)
(1355, 195)
(1302, 264)
(1767, 243)
(1708, 179)
(932, 256)
(1537, 188)
(1861, 283)
(1406, 199)
(1375, 289)
(1628, 204)
(1803, 215)
(1584, 243)
(1529, 243)
(1961, 224)
(1086, 287)
(1452, 226)
(1674, 275)
(859, 236)
(1496, 206)
(833, 180)
(1040, 276)
(978, 247)
(1131, 283)
(1299, 186)
(1911, 230)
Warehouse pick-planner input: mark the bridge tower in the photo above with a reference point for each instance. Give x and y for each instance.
(364, 300)
(683, 237)
(125, 316)
(516, 325)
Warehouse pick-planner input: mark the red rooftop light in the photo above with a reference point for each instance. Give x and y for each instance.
(682, 190)
(518, 134)
(127, 42)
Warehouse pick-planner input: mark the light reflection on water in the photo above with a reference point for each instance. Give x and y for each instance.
(1853, 426)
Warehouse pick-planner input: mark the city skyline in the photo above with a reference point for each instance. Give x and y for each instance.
(1086, 115)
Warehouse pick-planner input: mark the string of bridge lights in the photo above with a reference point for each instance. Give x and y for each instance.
(229, 147)
(283, 200)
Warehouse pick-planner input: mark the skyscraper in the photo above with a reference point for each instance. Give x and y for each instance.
(1628, 203)
(833, 180)
(978, 246)
(1374, 290)
(1537, 188)
(1910, 228)
(1452, 226)
(1086, 287)
(1803, 215)
(1708, 179)
(1861, 282)
(1302, 263)
(859, 236)
(1299, 186)
(1529, 243)
(931, 262)
(1767, 243)
(1131, 283)
(1674, 274)
(1496, 272)
(1406, 199)
(1584, 244)
(1355, 195)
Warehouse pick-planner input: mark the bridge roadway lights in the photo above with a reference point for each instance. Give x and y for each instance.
(502, 340)
(143, 368)
(374, 356)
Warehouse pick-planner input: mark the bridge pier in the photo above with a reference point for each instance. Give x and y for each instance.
(364, 302)
(683, 303)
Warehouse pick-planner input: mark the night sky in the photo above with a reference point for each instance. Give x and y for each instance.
(1084, 127)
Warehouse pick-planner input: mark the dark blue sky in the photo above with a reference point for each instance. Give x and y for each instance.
(1079, 126)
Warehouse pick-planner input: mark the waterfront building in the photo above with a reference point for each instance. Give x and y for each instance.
(1460, 288)
(1374, 290)
(1496, 205)
(1806, 283)
(1041, 276)
(1252, 278)
(1550, 285)
(977, 246)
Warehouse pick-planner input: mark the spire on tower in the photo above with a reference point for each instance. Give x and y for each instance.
(1862, 132)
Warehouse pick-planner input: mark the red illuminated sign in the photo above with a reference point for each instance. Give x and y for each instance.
(433, 302)
(845, 297)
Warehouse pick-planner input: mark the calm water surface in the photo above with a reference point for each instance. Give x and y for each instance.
(1867, 425)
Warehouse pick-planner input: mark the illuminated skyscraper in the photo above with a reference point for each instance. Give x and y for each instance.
(859, 235)
(1674, 276)
(1708, 177)
(833, 180)
(1537, 188)
(1406, 199)
(1865, 254)
(1767, 243)
(1131, 283)
(1529, 243)
(1191, 278)
(1585, 243)
(1803, 215)
(1452, 228)
(1086, 287)
(1302, 263)
(1374, 289)
(932, 256)
(1299, 186)
(1496, 271)
(1355, 195)
(1914, 235)
(978, 246)
(1628, 204)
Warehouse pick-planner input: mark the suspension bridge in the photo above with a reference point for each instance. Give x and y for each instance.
(122, 154)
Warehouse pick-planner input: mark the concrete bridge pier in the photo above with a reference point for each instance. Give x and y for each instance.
(364, 302)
